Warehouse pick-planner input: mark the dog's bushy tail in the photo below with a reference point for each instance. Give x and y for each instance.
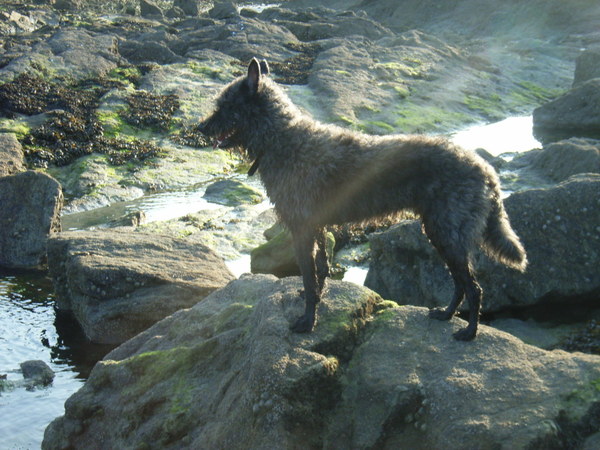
(500, 240)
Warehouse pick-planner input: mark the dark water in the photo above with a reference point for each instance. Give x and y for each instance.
(31, 329)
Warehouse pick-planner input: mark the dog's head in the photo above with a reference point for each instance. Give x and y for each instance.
(236, 108)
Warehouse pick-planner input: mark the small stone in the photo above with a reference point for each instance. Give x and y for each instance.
(37, 371)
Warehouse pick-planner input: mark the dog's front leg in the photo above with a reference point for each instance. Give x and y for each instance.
(321, 259)
(304, 246)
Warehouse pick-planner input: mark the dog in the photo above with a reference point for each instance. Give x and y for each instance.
(318, 175)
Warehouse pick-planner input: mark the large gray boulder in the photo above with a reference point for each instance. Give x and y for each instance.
(117, 284)
(12, 159)
(574, 114)
(30, 205)
(559, 228)
(229, 373)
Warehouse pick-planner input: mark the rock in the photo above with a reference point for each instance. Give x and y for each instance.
(150, 9)
(560, 160)
(544, 335)
(137, 52)
(242, 39)
(70, 53)
(318, 23)
(68, 5)
(31, 204)
(574, 114)
(224, 10)
(37, 372)
(175, 13)
(592, 442)
(229, 373)
(587, 66)
(482, 18)
(189, 7)
(276, 256)
(117, 284)
(373, 86)
(558, 227)
(6, 385)
(129, 219)
(232, 193)
(12, 159)
(15, 22)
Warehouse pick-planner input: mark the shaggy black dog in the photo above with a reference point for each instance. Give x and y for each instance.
(318, 175)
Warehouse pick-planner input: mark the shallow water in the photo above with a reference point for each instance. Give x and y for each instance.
(157, 207)
(512, 135)
(31, 329)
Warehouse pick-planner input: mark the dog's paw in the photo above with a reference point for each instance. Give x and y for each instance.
(466, 334)
(440, 314)
(304, 324)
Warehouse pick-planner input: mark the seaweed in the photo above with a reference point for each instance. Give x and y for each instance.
(72, 129)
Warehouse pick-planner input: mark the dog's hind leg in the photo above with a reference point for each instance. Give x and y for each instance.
(456, 256)
(465, 285)
(321, 258)
(473, 293)
(304, 246)
(448, 312)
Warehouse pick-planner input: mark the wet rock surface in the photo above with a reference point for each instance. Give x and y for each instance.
(575, 113)
(37, 372)
(11, 155)
(370, 374)
(232, 193)
(31, 205)
(405, 268)
(117, 284)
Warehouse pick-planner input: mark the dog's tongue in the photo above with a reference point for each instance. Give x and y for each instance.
(218, 141)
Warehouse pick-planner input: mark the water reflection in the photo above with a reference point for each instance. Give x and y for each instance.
(30, 329)
(160, 206)
(511, 135)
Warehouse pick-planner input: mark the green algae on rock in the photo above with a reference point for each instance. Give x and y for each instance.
(232, 193)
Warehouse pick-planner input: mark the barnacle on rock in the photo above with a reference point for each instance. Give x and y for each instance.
(295, 70)
(191, 136)
(147, 110)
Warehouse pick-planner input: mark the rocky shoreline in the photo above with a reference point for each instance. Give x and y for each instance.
(98, 104)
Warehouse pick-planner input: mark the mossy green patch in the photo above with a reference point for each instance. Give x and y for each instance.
(232, 316)
(377, 127)
(409, 68)
(579, 400)
(417, 118)
(490, 106)
(385, 310)
(528, 92)
(402, 90)
(155, 367)
(18, 126)
(128, 76)
(233, 193)
(212, 72)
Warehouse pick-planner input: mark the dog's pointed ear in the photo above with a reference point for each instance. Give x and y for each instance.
(264, 67)
(253, 78)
